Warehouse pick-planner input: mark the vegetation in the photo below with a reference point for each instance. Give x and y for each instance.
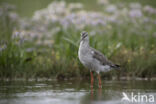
(47, 44)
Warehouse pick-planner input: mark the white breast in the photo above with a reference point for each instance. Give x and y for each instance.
(84, 55)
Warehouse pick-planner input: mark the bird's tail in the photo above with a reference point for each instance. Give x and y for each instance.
(115, 66)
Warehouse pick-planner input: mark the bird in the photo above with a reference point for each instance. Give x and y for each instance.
(93, 59)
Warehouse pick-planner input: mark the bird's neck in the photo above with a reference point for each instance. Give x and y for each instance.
(83, 49)
(84, 43)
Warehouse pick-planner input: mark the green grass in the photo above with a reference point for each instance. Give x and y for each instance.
(136, 55)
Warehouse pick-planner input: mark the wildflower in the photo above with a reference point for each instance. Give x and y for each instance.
(111, 8)
(64, 23)
(13, 16)
(135, 13)
(21, 41)
(125, 51)
(57, 56)
(118, 45)
(103, 2)
(112, 19)
(129, 60)
(135, 6)
(75, 6)
(3, 47)
(48, 42)
(30, 49)
(15, 34)
(92, 33)
(149, 9)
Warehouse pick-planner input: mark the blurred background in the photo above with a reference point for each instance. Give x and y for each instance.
(40, 38)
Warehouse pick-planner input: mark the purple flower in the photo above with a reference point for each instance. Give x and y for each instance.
(16, 34)
(64, 23)
(135, 13)
(149, 9)
(112, 18)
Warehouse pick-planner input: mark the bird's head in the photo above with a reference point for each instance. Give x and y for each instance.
(84, 36)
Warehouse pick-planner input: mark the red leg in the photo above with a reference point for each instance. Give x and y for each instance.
(99, 80)
(92, 78)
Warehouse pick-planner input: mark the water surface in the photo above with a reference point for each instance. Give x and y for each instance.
(72, 92)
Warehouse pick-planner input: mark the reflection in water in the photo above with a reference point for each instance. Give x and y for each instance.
(70, 92)
(98, 96)
(99, 93)
(92, 93)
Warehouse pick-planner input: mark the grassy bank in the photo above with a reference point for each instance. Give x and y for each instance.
(47, 44)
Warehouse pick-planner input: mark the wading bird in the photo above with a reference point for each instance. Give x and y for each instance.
(93, 59)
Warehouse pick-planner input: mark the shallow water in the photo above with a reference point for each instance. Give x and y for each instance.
(73, 92)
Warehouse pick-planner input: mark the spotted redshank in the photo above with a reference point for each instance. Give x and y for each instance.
(93, 59)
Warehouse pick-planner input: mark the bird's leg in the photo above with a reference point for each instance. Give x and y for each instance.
(92, 78)
(99, 78)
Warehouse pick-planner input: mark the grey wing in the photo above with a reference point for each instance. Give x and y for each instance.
(100, 57)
